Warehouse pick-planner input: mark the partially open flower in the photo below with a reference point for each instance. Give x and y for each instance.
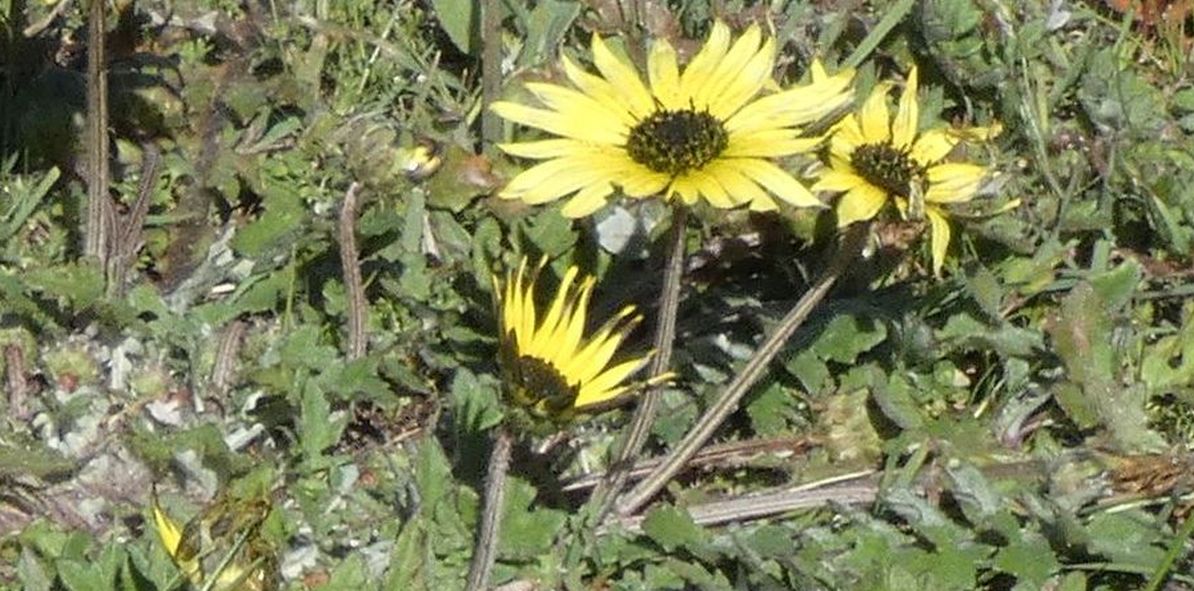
(550, 368)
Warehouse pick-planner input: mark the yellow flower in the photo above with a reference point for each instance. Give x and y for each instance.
(873, 158)
(192, 548)
(704, 133)
(550, 368)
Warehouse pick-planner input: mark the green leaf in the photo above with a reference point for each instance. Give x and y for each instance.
(349, 575)
(1030, 559)
(459, 19)
(412, 553)
(551, 232)
(80, 284)
(527, 533)
(1130, 537)
(317, 429)
(82, 576)
(846, 337)
(1085, 344)
(771, 410)
(672, 528)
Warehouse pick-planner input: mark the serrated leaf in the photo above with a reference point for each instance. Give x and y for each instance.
(527, 532)
(672, 528)
(1128, 537)
(1030, 559)
(846, 337)
(1085, 344)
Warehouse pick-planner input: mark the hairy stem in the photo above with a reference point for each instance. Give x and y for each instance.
(485, 550)
(754, 369)
(99, 203)
(491, 71)
(665, 337)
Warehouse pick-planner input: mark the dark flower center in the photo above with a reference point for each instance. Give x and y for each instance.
(886, 167)
(675, 142)
(542, 386)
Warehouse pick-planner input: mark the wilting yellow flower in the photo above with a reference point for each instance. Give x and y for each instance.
(705, 133)
(874, 158)
(194, 550)
(550, 368)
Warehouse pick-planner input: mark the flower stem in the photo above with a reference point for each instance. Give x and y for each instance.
(647, 488)
(485, 550)
(664, 340)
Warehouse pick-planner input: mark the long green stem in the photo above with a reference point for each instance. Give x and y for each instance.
(485, 550)
(664, 341)
(754, 369)
(1176, 547)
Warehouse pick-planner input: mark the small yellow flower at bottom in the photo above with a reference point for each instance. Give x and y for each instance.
(551, 370)
(248, 571)
(874, 158)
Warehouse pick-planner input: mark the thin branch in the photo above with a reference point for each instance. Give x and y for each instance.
(725, 455)
(99, 203)
(353, 285)
(664, 342)
(859, 488)
(485, 551)
(646, 489)
(226, 353)
(18, 384)
(129, 233)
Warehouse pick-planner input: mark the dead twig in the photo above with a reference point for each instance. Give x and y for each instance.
(226, 352)
(99, 202)
(353, 285)
(664, 342)
(129, 233)
(485, 551)
(723, 455)
(18, 384)
(707, 424)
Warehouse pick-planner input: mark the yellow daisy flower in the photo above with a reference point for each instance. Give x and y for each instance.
(550, 368)
(873, 158)
(704, 133)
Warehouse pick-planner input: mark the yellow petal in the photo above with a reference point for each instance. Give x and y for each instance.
(623, 77)
(772, 143)
(545, 149)
(953, 182)
(600, 89)
(903, 129)
(932, 146)
(696, 75)
(587, 201)
(569, 103)
(939, 237)
(604, 386)
(876, 125)
(776, 180)
(740, 188)
(862, 202)
(552, 122)
(833, 179)
(738, 76)
(665, 75)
